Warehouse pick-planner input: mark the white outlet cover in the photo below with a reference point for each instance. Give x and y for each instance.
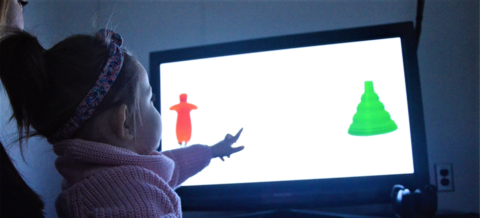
(439, 177)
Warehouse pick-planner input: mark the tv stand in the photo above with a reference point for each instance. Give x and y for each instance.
(293, 213)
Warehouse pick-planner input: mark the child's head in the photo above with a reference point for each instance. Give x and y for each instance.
(45, 88)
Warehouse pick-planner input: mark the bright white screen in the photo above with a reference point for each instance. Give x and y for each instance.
(296, 106)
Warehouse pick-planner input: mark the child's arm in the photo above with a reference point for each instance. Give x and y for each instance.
(193, 159)
(188, 162)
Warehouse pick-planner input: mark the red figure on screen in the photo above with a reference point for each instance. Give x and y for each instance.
(184, 124)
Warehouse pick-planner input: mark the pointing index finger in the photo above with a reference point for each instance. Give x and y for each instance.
(238, 134)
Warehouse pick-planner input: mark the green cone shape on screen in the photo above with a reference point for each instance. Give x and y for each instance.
(371, 117)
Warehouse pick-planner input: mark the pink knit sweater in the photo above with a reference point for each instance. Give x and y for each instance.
(102, 180)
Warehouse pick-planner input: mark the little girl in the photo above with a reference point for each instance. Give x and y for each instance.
(92, 100)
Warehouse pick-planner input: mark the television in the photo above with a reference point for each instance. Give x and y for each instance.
(329, 118)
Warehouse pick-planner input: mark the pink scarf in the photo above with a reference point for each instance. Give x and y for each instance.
(102, 180)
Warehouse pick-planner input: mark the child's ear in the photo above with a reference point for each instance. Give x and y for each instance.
(122, 127)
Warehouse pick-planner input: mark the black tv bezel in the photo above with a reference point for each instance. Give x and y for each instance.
(308, 193)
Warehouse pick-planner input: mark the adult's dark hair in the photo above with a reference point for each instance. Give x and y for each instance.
(46, 86)
(17, 199)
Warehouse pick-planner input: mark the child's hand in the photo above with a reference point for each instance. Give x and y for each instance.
(224, 148)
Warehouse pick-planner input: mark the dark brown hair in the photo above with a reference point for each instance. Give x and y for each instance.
(46, 86)
(17, 198)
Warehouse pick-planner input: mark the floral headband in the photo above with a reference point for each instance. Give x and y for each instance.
(93, 98)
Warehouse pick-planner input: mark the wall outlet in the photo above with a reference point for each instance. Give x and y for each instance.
(444, 177)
